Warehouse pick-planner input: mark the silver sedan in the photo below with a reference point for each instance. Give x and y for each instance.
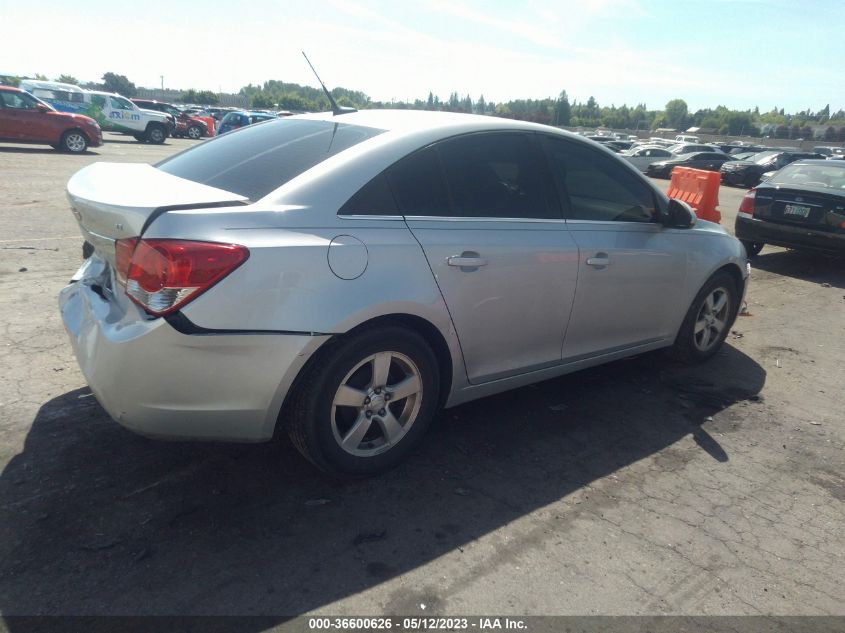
(342, 278)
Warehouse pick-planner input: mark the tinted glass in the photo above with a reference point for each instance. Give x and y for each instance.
(495, 175)
(598, 187)
(417, 185)
(810, 174)
(257, 160)
(374, 198)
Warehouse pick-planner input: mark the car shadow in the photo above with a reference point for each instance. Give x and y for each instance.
(807, 266)
(97, 520)
(42, 150)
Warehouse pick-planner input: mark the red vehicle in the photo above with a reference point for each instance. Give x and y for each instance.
(27, 119)
(186, 125)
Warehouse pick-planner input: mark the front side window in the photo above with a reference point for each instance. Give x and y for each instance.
(257, 160)
(120, 104)
(18, 100)
(597, 187)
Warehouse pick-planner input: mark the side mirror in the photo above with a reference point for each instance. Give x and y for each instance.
(679, 215)
(41, 107)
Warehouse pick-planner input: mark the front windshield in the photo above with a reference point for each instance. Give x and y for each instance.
(810, 175)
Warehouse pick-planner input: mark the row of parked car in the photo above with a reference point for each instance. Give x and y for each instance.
(738, 164)
(71, 119)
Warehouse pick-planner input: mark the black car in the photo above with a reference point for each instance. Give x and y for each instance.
(748, 172)
(711, 161)
(801, 206)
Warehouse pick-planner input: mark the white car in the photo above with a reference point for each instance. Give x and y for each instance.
(641, 157)
(343, 277)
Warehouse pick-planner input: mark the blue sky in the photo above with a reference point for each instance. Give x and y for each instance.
(738, 53)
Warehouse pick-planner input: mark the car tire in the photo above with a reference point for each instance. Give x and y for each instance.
(74, 142)
(156, 134)
(708, 320)
(349, 416)
(140, 137)
(752, 248)
(195, 132)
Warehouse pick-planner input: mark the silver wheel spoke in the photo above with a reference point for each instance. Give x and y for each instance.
(720, 302)
(405, 388)
(709, 303)
(719, 325)
(381, 367)
(357, 433)
(699, 325)
(391, 427)
(705, 338)
(348, 396)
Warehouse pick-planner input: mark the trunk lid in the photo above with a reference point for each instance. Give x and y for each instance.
(814, 209)
(112, 201)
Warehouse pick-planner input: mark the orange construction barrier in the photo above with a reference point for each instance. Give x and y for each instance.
(698, 188)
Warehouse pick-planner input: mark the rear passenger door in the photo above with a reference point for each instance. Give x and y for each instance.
(485, 212)
(630, 267)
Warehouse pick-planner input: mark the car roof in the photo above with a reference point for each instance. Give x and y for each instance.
(410, 121)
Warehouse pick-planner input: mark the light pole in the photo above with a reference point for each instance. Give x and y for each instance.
(162, 81)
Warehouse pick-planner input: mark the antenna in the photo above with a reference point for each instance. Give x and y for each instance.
(336, 109)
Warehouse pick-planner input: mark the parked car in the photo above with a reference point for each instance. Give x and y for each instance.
(642, 157)
(242, 118)
(801, 206)
(711, 161)
(689, 148)
(344, 277)
(113, 112)
(185, 124)
(687, 138)
(26, 119)
(749, 172)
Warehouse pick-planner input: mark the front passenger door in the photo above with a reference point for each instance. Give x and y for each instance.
(630, 267)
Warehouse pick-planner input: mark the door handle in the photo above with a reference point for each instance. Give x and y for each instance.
(466, 262)
(600, 261)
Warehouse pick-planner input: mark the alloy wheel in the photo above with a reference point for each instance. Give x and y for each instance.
(376, 404)
(712, 319)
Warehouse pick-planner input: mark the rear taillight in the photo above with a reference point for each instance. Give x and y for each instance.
(746, 207)
(163, 275)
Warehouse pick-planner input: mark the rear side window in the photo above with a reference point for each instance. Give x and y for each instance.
(417, 185)
(496, 175)
(259, 159)
(598, 187)
(486, 175)
(374, 198)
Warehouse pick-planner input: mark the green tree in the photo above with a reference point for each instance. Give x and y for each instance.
(206, 97)
(261, 100)
(563, 111)
(676, 113)
(40, 77)
(480, 105)
(119, 84)
(68, 79)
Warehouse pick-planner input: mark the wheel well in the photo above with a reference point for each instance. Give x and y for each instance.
(154, 123)
(431, 335)
(736, 274)
(419, 325)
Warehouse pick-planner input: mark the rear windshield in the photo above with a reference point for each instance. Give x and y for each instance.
(255, 160)
(811, 175)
